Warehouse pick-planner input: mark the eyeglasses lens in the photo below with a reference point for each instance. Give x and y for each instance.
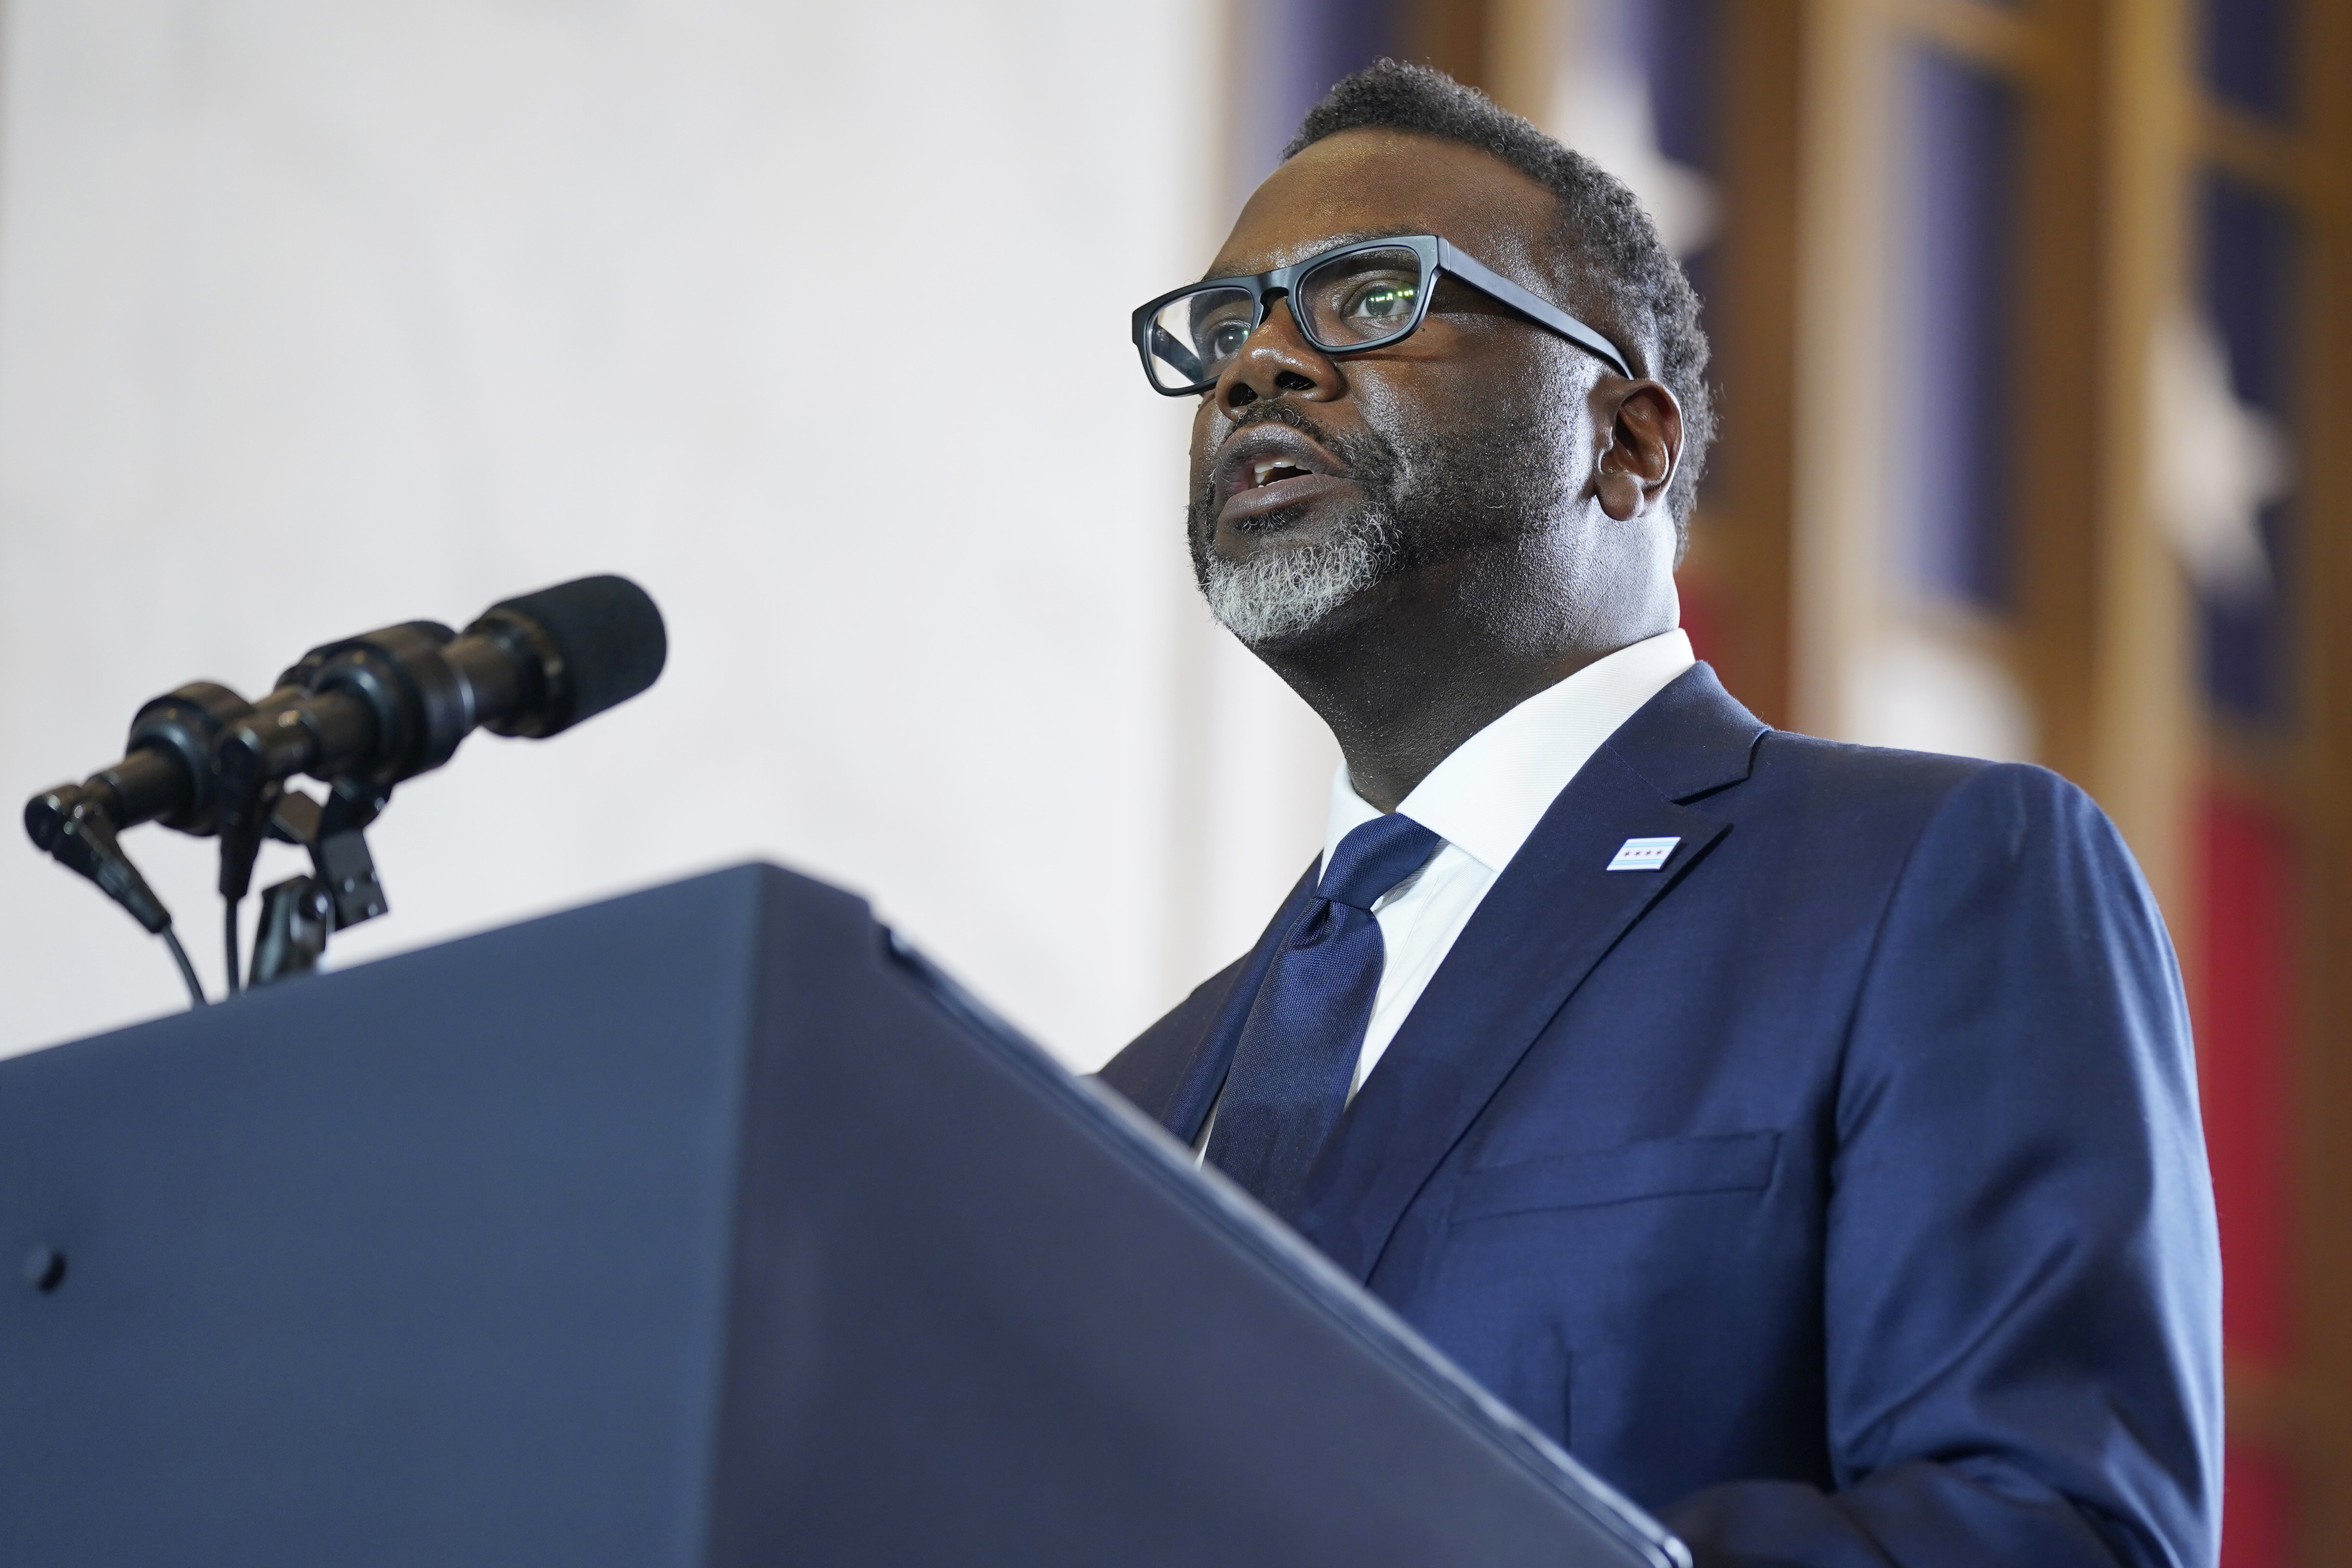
(1360, 298)
(1195, 336)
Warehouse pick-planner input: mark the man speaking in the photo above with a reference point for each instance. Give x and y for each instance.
(1804, 1136)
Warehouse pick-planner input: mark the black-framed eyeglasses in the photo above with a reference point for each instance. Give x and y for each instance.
(1364, 294)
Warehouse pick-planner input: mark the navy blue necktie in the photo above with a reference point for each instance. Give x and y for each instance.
(1296, 1057)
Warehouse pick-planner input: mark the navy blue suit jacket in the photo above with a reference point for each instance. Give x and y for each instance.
(1837, 1192)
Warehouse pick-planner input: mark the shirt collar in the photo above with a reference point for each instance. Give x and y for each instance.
(1488, 796)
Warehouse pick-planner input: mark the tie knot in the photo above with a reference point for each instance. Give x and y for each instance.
(1374, 858)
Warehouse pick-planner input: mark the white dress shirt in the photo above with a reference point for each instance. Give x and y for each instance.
(1484, 800)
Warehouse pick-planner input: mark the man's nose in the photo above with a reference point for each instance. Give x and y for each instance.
(1277, 360)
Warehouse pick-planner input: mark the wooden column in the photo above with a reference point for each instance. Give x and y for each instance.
(2320, 786)
(2141, 740)
(1457, 37)
(2060, 418)
(1744, 534)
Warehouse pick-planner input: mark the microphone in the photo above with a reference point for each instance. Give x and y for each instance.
(166, 771)
(373, 710)
(389, 704)
(363, 714)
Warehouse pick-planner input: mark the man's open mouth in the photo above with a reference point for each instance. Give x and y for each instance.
(1267, 468)
(1273, 471)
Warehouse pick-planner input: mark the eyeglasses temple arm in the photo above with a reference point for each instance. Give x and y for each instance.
(1488, 281)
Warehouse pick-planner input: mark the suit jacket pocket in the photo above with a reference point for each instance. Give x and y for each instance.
(1664, 1167)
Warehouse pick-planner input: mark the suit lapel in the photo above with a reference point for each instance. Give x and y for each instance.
(1552, 915)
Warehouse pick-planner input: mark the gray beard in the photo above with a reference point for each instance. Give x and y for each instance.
(1283, 592)
(1426, 503)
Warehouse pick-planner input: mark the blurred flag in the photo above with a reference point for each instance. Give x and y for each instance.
(2215, 463)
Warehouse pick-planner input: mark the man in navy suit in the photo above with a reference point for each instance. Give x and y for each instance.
(1804, 1136)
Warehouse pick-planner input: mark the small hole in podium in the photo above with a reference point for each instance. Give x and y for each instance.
(45, 1268)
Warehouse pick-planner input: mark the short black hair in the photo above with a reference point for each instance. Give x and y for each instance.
(1611, 244)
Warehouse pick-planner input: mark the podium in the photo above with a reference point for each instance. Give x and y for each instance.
(709, 1226)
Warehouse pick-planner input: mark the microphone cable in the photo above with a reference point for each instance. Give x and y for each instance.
(196, 998)
(228, 920)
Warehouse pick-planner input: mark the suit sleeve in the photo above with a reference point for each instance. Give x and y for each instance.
(2023, 1303)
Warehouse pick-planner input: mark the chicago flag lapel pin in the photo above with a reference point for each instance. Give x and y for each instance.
(1643, 854)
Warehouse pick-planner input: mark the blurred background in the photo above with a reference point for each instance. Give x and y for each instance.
(2031, 321)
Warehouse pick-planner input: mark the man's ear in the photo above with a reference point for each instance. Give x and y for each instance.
(1644, 442)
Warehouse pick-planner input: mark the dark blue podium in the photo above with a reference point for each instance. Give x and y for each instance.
(707, 1226)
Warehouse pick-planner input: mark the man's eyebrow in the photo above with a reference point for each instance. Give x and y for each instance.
(1328, 242)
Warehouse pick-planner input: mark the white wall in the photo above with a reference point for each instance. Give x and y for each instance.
(811, 316)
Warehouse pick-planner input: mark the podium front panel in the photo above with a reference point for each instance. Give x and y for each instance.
(702, 1227)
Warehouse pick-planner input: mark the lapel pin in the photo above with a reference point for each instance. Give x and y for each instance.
(1643, 854)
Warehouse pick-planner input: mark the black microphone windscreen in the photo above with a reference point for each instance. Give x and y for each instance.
(610, 636)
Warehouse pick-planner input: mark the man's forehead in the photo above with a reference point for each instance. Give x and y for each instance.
(1371, 184)
(1305, 248)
